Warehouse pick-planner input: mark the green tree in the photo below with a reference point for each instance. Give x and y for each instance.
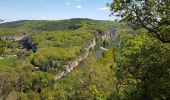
(154, 15)
(2, 46)
(143, 69)
(33, 96)
(47, 94)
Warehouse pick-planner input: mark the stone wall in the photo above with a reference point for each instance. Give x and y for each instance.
(75, 63)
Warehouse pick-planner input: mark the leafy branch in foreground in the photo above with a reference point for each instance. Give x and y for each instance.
(150, 14)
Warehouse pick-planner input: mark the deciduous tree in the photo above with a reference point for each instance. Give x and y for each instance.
(154, 15)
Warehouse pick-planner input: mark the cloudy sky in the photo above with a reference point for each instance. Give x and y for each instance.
(54, 9)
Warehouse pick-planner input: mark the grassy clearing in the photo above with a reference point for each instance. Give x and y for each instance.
(7, 62)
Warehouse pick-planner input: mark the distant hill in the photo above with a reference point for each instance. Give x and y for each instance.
(32, 26)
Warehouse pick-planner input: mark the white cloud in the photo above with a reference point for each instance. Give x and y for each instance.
(67, 3)
(103, 9)
(79, 6)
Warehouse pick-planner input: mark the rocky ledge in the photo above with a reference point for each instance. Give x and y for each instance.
(75, 63)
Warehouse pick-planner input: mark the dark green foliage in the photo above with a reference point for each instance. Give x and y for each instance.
(36, 81)
(14, 24)
(152, 15)
(2, 46)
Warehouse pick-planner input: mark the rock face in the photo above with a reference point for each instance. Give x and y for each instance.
(13, 38)
(75, 63)
(28, 44)
(71, 65)
(109, 33)
(26, 41)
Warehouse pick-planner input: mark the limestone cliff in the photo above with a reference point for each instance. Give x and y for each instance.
(108, 34)
(13, 38)
(75, 63)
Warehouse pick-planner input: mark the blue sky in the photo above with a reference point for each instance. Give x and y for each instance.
(54, 9)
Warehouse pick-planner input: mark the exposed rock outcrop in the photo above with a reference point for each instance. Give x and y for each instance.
(25, 40)
(28, 44)
(109, 33)
(13, 38)
(75, 63)
(71, 65)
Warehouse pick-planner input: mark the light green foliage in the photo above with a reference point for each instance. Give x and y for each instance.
(63, 38)
(7, 77)
(143, 68)
(47, 94)
(50, 59)
(8, 62)
(57, 48)
(91, 80)
(57, 43)
(24, 81)
(11, 31)
(31, 96)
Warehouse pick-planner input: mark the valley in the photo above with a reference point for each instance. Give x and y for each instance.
(56, 52)
(85, 50)
(79, 59)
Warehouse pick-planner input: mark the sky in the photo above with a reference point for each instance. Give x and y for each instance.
(11, 10)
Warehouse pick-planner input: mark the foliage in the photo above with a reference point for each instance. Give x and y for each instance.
(2, 46)
(143, 67)
(91, 80)
(48, 60)
(150, 14)
(23, 81)
(8, 62)
(30, 75)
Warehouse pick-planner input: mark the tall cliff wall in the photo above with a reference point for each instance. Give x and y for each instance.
(75, 63)
(109, 33)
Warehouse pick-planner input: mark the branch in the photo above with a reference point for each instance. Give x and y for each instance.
(155, 32)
